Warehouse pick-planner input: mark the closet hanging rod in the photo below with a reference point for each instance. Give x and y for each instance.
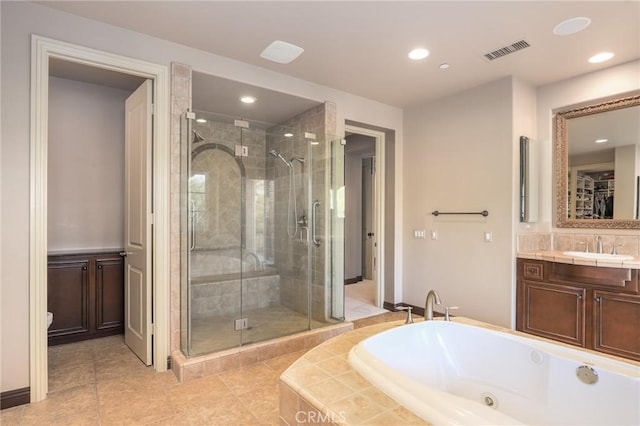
(484, 213)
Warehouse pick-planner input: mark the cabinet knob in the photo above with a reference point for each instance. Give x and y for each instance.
(579, 297)
(99, 266)
(598, 299)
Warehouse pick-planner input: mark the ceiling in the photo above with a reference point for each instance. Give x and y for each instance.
(219, 95)
(621, 127)
(361, 47)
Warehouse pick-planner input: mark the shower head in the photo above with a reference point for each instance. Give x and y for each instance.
(278, 155)
(196, 137)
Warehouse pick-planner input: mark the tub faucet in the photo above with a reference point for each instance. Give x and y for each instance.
(598, 239)
(432, 297)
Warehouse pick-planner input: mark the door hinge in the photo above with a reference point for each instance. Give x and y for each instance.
(151, 219)
(153, 109)
(153, 329)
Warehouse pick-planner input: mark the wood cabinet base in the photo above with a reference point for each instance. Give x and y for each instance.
(586, 306)
(85, 293)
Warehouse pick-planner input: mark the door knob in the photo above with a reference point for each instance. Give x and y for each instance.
(125, 253)
(369, 234)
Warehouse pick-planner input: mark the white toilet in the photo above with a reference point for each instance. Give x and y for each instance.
(49, 319)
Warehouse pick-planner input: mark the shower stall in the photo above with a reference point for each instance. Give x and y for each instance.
(256, 232)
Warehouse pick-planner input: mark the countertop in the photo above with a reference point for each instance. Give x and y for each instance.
(559, 257)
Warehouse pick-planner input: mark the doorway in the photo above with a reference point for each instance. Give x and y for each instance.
(85, 206)
(363, 225)
(44, 51)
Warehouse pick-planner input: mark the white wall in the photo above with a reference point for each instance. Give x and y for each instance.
(458, 158)
(524, 124)
(605, 83)
(86, 166)
(22, 19)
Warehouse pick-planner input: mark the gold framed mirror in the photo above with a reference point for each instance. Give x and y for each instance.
(597, 165)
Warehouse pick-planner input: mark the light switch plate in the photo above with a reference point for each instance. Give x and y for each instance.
(488, 236)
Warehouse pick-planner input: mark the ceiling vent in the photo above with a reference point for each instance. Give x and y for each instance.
(504, 51)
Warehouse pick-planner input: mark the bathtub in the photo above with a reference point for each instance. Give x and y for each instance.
(460, 372)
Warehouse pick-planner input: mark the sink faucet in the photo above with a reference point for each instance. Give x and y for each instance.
(432, 297)
(598, 239)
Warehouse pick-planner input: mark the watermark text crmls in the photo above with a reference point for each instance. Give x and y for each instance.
(314, 417)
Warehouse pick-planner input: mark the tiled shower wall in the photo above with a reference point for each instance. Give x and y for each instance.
(219, 210)
(291, 253)
(180, 102)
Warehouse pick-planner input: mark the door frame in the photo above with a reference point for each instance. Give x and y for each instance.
(379, 228)
(42, 49)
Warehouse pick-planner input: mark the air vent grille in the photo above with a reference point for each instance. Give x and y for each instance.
(503, 51)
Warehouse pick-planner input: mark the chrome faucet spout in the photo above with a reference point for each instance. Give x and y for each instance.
(432, 297)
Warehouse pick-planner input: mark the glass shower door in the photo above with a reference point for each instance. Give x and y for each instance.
(212, 244)
(275, 296)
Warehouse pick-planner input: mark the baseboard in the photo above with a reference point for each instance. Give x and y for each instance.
(15, 397)
(348, 281)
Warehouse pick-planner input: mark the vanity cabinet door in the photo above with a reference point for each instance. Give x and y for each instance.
(68, 298)
(617, 324)
(109, 293)
(554, 311)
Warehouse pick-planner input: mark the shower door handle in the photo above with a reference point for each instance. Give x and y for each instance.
(314, 215)
(193, 225)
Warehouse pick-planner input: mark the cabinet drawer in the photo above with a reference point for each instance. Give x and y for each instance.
(533, 271)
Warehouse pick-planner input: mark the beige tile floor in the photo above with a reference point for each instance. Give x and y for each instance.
(100, 382)
(360, 300)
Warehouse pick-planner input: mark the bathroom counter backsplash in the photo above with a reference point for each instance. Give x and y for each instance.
(551, 246)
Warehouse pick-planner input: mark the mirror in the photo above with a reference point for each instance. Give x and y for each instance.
(597, 165)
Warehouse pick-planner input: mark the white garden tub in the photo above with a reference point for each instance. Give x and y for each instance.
(459, 373)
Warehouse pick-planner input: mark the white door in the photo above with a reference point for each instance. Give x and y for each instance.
(137, 226)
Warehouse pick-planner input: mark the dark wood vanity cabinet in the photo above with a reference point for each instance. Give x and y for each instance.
(85, 293)
(587, 306)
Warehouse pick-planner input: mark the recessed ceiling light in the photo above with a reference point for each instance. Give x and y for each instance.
(444, 66)
(602, 140)
(419, 53)
(247, 99)
(571, 26)
(288, 135)
(600, 57)
(281, 52)
(201, 120)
